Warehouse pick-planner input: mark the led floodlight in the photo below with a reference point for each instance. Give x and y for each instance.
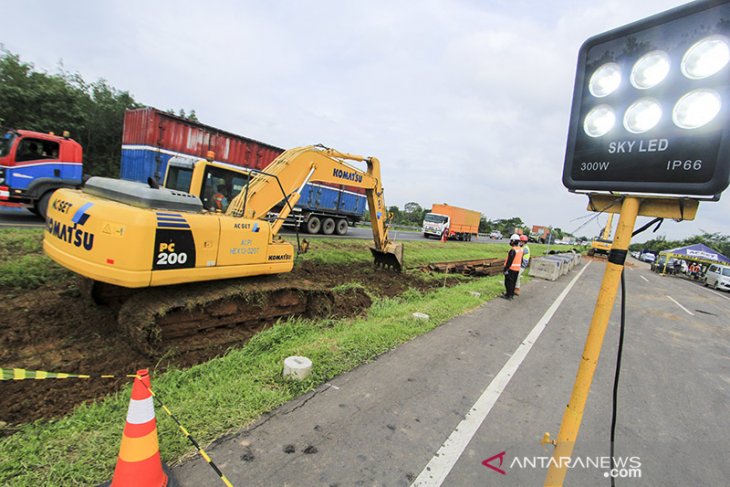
(651, 106)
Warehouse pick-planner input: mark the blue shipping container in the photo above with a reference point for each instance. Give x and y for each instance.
(140, 162)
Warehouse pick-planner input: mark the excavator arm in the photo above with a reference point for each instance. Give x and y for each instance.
(291, 171)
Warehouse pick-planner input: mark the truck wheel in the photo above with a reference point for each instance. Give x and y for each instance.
(313, 224)
(342, 226)
(328, 226)
(425, 235)
(41, 205)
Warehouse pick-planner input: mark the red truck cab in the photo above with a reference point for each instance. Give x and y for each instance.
(34, 164)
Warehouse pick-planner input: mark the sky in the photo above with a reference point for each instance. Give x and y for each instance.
(464, 102)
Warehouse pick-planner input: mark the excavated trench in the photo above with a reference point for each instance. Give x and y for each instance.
(59, 328)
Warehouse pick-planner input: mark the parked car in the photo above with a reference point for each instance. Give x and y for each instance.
(496, 235)
(718, 276)
(647, 257)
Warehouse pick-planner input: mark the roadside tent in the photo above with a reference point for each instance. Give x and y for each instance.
(698, 253)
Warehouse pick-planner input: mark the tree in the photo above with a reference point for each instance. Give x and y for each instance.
(509, 225)
(413, 214)
(92, 113)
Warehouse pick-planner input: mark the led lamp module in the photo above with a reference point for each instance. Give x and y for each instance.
(650, 70)
(696, 109)
(599, 121)
(605, 80)
(642, 115)
(706, 57)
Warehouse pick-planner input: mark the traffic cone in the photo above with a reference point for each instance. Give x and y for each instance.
(139, 462)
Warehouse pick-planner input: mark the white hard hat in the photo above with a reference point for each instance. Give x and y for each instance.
(514, 237)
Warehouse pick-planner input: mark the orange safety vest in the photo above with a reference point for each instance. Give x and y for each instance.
(517, 261)
(218, 200)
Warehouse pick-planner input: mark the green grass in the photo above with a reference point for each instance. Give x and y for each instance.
(22, 262)
(230, 392)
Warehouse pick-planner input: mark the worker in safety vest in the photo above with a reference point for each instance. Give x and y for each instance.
(525, 262)
(219, 199)
(512, 265)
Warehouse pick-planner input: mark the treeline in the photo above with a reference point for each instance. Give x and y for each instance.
(716, 241)
(412, 214)
(93, 113)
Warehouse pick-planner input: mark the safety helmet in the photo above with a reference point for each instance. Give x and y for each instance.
(523, 238)
(514, 237)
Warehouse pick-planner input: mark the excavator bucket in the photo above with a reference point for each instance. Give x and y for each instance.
(389, 258)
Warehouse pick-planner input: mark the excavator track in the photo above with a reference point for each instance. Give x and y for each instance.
(221, 314)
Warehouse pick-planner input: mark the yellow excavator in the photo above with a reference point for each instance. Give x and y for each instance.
(601, 245)
(209, 221)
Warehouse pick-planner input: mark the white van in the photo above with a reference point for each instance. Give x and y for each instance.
(718, 276)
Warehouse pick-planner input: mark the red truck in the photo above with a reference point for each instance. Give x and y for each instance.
(33, 165)
(462, 224)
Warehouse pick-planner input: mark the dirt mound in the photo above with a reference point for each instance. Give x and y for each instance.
(58, 328)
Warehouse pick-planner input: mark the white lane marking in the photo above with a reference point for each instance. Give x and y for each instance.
(685, 309)
(644, 278)
(441, 464)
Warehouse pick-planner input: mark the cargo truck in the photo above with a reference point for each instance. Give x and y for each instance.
(152, 137)
(539, 234)
(33, 165)
(460, 223)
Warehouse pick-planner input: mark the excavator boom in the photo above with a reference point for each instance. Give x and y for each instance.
(296, 167)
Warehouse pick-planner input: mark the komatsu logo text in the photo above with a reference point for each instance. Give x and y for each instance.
(70, 234)
(350, 176)
(280, 257)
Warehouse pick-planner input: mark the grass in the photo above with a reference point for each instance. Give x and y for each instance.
(230, 392)
(22, 262)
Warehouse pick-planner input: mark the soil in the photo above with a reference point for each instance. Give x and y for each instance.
(58, 328)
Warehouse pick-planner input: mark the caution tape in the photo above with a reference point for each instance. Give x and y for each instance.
(185, 432)
(24, 374)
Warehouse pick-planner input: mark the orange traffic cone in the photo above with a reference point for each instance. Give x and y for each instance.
(139, 462)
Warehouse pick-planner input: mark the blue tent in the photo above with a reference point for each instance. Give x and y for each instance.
(697, 253)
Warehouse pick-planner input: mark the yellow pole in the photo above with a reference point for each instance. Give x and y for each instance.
(604, 305)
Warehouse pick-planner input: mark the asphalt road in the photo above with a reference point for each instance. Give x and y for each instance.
(501, 375)
(18, 218)
(363, 231)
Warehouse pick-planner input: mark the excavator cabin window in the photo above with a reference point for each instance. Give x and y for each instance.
(220, 187)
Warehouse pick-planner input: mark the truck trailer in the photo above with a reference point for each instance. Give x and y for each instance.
(152, 137)
(460, 223)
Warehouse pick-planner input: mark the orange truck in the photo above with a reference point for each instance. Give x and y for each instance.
(461, 224)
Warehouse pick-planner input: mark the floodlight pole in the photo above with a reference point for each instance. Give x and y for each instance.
(604, 305)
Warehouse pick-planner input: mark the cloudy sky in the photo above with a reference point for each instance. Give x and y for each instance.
(464, 101)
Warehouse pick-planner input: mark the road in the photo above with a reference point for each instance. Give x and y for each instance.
(364, 232)
(489, 383)
(18, 218)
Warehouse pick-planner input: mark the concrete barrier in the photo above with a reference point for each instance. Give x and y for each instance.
(563, 265)
(568, 259)
(543, 268)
